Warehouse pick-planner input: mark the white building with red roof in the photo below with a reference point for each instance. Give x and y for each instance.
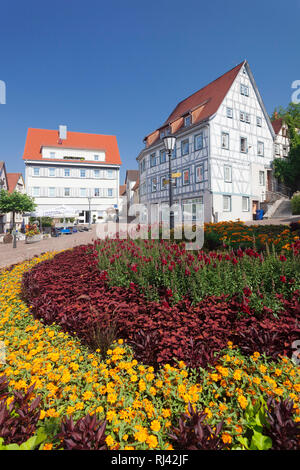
(282, 141)
(223, 154)
(73, 169)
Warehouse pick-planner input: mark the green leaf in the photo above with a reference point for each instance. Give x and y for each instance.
(260, 442)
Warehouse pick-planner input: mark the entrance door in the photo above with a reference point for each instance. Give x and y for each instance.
(255, 207)
(269, 180)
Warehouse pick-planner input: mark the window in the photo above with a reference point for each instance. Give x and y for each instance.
(82, 173)
(96, 192)
(243, 144)
(226, 203)
(242, 116)
(143, 165)
(67, 172)
(199, 141)
(36, 191)
(245, 204)
(258, 121)
(174, 153)
(152, 160)
(162, 156)
(186, 177)
(153, 185)
(51, 192)
(227, 174)
(36, 171)
(277, 149)
(262, 178)
(82, 192)
(51, 171)
(187, 121)
(110, 174)
(185, 147)
(229, 112)
(199, 170)
(260, 149)
(163, 183)
(67, 192)
(285, 151)
(109, 192)
(52, 154)
(247, 118)
(244, 90)
(96, 157)
(96, 173)
(225, 140)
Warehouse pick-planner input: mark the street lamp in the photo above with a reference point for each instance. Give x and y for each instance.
(89, 199)
(170, 142)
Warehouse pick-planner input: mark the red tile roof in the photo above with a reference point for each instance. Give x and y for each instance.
(37, 138)
(122, 190)
(132, 175)
(12, 180)
(208, 98)
(277, 125)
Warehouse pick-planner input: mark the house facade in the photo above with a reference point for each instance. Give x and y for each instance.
(73, 169)
(282, 141)
(224, 150)
(132, 177)
(15, 182)
(3, 185)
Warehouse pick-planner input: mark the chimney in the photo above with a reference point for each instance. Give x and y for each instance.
(62, 132)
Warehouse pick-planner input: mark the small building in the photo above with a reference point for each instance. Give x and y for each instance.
(282, 141)
(3, 185)
(16, 183)
(132, 176)
(73, 169)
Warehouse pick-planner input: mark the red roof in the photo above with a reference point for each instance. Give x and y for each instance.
(12, 180)
(209, 98)
(277, 125)
(122, 189)
(37, 138)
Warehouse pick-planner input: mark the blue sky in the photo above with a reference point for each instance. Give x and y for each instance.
(120, 67)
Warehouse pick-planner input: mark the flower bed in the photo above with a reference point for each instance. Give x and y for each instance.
(122, 403)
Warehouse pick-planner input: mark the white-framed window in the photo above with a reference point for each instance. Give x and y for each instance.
(227, 173)
(198, 142)
(143, 165)
(96, 157)
(153, 185)
(163, 183)
(174, 153)
(109, 192)
(199, 173)
(96, 173)
(67, 191)
(245, 204)
(187, 121)
(82, 173)
(36, 171)
(277, 149)
(258, 121)
(110, 174)
(185, 147)
(243, 145)
(51, 192)
(242, 116)
(36, 191)
(285, 151)
(152, 160)
(244, 90)
(186, 177)
(67, 172)
(52, 154)
(225, 140)
(247, 118)
(226, 203)
(162, 156)
(260, 149)
(229, 112)
(51, 171)
(262, 178)
(96, 192)
(82, 192)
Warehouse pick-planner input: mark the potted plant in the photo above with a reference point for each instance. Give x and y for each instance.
(32, 234)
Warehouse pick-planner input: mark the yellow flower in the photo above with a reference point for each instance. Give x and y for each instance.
(155, 425)
(152, 441)
(242, 401)
(226, 438)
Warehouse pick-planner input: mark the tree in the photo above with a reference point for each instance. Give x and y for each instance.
(288, 170)
(15, 202)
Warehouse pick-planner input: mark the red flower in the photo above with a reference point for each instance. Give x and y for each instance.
(169, 292)
(282, 258)
(283, 278)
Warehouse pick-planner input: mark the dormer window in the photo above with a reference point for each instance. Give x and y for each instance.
(96, 157)
(52, 154)
(187, 120)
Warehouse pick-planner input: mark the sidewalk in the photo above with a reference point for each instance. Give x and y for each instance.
(10, 255)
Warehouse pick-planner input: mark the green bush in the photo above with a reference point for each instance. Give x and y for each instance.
(296, 203)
